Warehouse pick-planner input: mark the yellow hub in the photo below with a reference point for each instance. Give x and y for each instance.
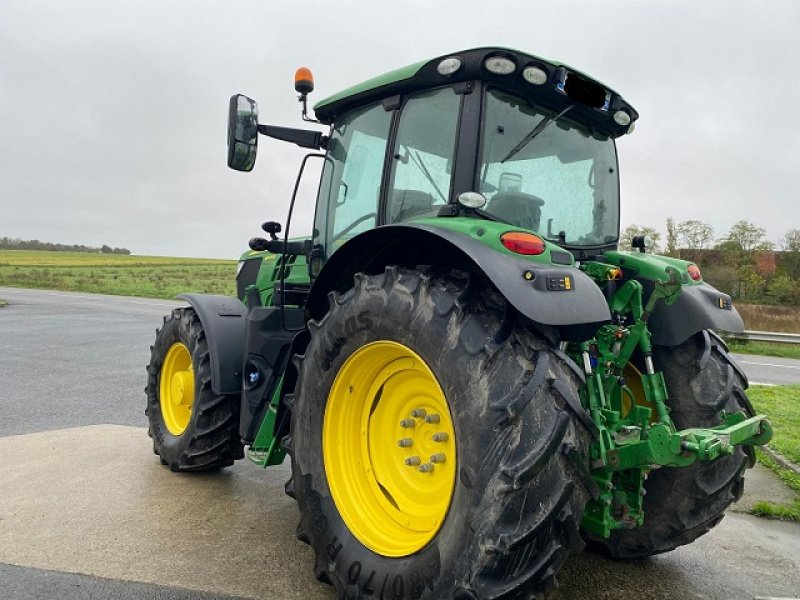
(389, 448)
(176, 389)
(633, 377)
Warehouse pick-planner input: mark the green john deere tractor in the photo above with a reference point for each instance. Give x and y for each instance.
(471, 380)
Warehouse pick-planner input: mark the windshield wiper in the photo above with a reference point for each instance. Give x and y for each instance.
(540, 127)
(417, 160)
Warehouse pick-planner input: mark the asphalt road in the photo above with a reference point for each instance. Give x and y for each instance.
(86, 511)
(769, 369)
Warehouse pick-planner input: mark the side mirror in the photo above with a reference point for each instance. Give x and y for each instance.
(242, 132)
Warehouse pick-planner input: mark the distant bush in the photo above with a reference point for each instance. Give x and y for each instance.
(17, 244)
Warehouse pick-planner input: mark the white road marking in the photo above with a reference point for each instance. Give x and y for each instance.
(746, 362)
(764, 384)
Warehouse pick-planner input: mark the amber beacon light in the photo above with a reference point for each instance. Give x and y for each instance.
(303, 81)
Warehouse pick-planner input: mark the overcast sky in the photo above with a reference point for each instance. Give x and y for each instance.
(113, 114)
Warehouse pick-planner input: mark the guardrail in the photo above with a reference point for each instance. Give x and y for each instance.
(767, 336)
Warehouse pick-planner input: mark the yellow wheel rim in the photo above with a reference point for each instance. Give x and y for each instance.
(176, 389)
(633, 377)
(389, 448)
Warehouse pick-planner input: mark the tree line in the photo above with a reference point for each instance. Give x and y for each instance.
(7, 243)
(742, 263)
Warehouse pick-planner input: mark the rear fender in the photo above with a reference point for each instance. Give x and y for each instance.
(224, 322)
(576, 312)
(698, 307)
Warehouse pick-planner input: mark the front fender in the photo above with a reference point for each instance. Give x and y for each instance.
(577, 311)
(224, 322)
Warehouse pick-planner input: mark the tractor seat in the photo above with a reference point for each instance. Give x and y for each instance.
(409, 203)
(517, 208)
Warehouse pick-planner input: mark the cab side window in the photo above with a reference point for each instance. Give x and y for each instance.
(351, 179)
(422, 157)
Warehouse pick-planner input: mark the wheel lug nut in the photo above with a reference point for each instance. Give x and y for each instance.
(440, 437)
(432, 419)
(405, 443)
(407, 423)
(439, 457)
(412, 461)
(418, 413)
(426, 468)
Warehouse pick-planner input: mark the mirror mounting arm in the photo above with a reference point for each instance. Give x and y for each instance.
(304, 138)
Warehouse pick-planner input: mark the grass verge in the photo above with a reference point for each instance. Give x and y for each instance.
(3, 302)
(146, 276)
(764, 348)
(782, 405)
(772, 510)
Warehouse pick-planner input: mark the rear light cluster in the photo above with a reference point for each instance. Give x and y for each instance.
(520, 242)
(694, 272)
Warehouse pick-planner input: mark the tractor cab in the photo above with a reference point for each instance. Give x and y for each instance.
(489, 134)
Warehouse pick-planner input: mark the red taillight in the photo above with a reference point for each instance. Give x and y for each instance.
(694, 272)
(522, 243)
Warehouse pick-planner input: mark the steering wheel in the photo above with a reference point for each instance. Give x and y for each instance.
(353, 225)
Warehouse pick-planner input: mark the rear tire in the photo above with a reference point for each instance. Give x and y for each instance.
(207, 438)
(522, 476)
(684, 503)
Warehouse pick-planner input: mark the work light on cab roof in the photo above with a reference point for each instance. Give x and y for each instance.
(549, 84)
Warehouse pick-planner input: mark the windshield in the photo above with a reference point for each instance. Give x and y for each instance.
(540, 173)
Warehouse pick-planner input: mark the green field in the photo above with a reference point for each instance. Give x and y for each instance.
(117, 274)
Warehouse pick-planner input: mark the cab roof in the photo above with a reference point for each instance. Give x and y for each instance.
(594, 103)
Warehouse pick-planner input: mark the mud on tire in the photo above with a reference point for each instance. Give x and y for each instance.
(522, 480)
(211, 439)
(684, 503)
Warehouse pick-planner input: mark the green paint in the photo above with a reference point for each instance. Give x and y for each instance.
(637, 434)
(296, 272)
(489, 232)
(266, 449)
(400, 74)
(650, 266)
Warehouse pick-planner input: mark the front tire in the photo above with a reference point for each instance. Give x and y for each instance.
(518, 452)
(193, 429)
(684, 503)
